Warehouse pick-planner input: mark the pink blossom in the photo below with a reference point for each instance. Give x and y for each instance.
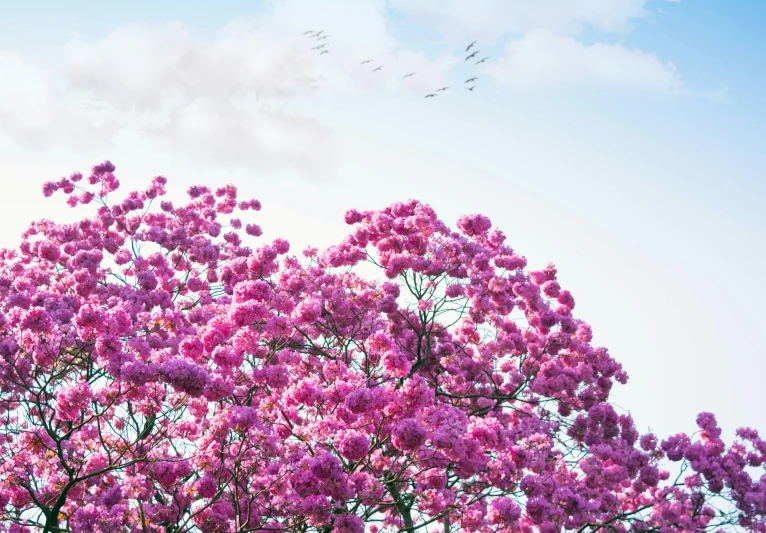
(254, 230)
(73, 400)
(408, 435)
(455, 290)
(474, 224)
(147, 280)
(253, 290)
(348, 523)
(307, 312)
(49, 252)
(360, 400)
(185, 377)
(206, 486)
(397, 363)
(352, 445)
(227, 357)
(217, 389)
(37, 320)
(503, 511)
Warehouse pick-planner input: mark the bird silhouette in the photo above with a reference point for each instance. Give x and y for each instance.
(442, 89)
(366, 61)
(471, 88)
(482, 60)
(410, 74)
(377, 69)
(317, 47)
(472, 55)
(469, 80)
(308, 32)
(470, 46)
(324, 52)
(322, 37)
(429, 95)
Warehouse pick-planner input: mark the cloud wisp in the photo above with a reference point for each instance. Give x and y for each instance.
(491, 20)
(542, 59)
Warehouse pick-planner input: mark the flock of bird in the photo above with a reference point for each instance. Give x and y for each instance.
(323, 48)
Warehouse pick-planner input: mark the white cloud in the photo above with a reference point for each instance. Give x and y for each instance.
(37, 112)
(718, 95)
(489, 20)
(232, 98)
(216, 100)
(25, 95)
(542, 59)
(225, 99)
(133, 67)
(240, 134)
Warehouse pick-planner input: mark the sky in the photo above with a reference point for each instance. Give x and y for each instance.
(621, 140)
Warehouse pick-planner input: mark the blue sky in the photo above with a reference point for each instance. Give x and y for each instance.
(643, 182)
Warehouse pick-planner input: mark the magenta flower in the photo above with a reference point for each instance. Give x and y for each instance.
(408, 435)
(353, 445)
(185, 377)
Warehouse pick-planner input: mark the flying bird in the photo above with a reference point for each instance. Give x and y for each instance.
(469, 80)
(472, 55)
(322, 37)
(442, 89)
(410, 74)
(318, 47)
(366, 61)
(470, 46)
(429, 95)
(377, 69)
(308, 32)
(471, 88)
(324, 52)
(482, 60)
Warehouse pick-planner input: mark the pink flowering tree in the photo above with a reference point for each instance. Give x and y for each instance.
(158, 374)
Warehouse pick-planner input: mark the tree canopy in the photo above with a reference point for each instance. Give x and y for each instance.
(162, 370)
